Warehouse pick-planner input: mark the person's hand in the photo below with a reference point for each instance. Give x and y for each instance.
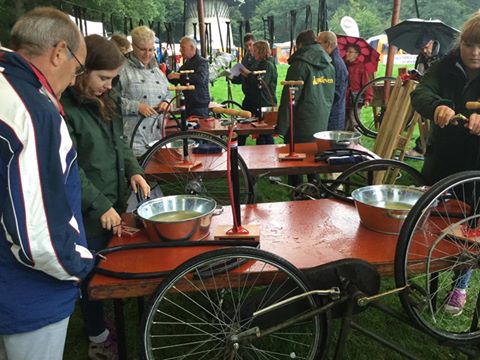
(473, 124)
(173, 76)
(146, 110)
(443, 115)
(110, 220)
(162, 106)
(244, 71)
(137, 181)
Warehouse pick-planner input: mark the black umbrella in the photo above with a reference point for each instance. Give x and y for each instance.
(411, 35)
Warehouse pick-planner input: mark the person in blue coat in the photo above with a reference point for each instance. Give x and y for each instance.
(43, 250)
(328, 40)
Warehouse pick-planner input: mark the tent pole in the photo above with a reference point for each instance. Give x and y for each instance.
(391, 48)
(201, 27)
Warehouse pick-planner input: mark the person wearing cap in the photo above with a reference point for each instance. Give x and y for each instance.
(428, 53)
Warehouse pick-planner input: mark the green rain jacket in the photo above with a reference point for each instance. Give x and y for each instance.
(453, 148)
(106, 161)
(313, 100)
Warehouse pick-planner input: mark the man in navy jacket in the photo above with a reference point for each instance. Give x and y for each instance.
(196, 101)
(43, 254)
(328, 40)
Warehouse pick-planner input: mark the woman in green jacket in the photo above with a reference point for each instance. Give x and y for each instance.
(257, 97)
(107, 166)
(451, 147)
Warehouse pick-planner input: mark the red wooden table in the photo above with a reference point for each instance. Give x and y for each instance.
(260, 160)
(306, 233)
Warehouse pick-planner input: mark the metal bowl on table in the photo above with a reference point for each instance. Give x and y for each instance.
(336, 139)
(177, 217)
(383, 208)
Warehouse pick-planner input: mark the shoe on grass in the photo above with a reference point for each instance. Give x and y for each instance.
(106, 350)
(456, 302)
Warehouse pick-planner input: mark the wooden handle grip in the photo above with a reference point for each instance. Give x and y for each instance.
(186, 71)
(473, 105)
(233, 112)
(292, 83)
(181, 87)
(259, 72)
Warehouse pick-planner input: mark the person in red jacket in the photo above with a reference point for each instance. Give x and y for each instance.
(357, 78)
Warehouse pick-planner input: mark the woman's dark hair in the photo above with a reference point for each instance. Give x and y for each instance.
(248, 37)
(307, 37)
(354, 47)
(102, 54)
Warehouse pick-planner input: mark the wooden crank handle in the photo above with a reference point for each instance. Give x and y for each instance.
(473, 105)
(292, 82)
(181, 87)
(232, 112)
(186, 71)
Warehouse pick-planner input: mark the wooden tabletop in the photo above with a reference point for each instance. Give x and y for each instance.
(306, 233)
(260, 160)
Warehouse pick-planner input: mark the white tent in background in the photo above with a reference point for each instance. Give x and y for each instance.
(88, 27)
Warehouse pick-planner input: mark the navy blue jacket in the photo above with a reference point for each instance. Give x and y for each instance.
(199, 97)
(336, 121)
(43, 251)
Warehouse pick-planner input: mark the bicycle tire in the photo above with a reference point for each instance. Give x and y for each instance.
(211, 181)
(370, 127)
(208, 295)
(433, 253)
(370, 172)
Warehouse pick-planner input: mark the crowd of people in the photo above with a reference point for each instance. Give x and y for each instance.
(77, 112)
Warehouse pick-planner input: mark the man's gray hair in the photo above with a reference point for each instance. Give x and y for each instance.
(41, 28)
(329, 37)
(189, 39)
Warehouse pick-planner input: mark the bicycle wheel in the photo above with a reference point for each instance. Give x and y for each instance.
(437, 246)
(166, 159)
(204, 310)
(369, 118)
(372, 172)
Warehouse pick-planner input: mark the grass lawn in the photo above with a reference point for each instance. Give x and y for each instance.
(357, 347)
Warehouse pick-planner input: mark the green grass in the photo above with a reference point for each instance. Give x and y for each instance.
(357, 346)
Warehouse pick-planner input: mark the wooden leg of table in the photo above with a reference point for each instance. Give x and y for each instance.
(120, 325)
(140, 307)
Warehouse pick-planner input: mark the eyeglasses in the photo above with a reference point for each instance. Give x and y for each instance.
(81, 68)
(144, 49)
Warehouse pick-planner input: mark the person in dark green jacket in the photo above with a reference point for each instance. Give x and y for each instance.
(452, 147)
(313, 100)
(107, 166)
(257, 97)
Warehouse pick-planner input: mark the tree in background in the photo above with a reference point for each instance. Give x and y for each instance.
(368, 20)
(373, 16)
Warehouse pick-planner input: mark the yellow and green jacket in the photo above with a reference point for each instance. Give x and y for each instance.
(313, 100)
